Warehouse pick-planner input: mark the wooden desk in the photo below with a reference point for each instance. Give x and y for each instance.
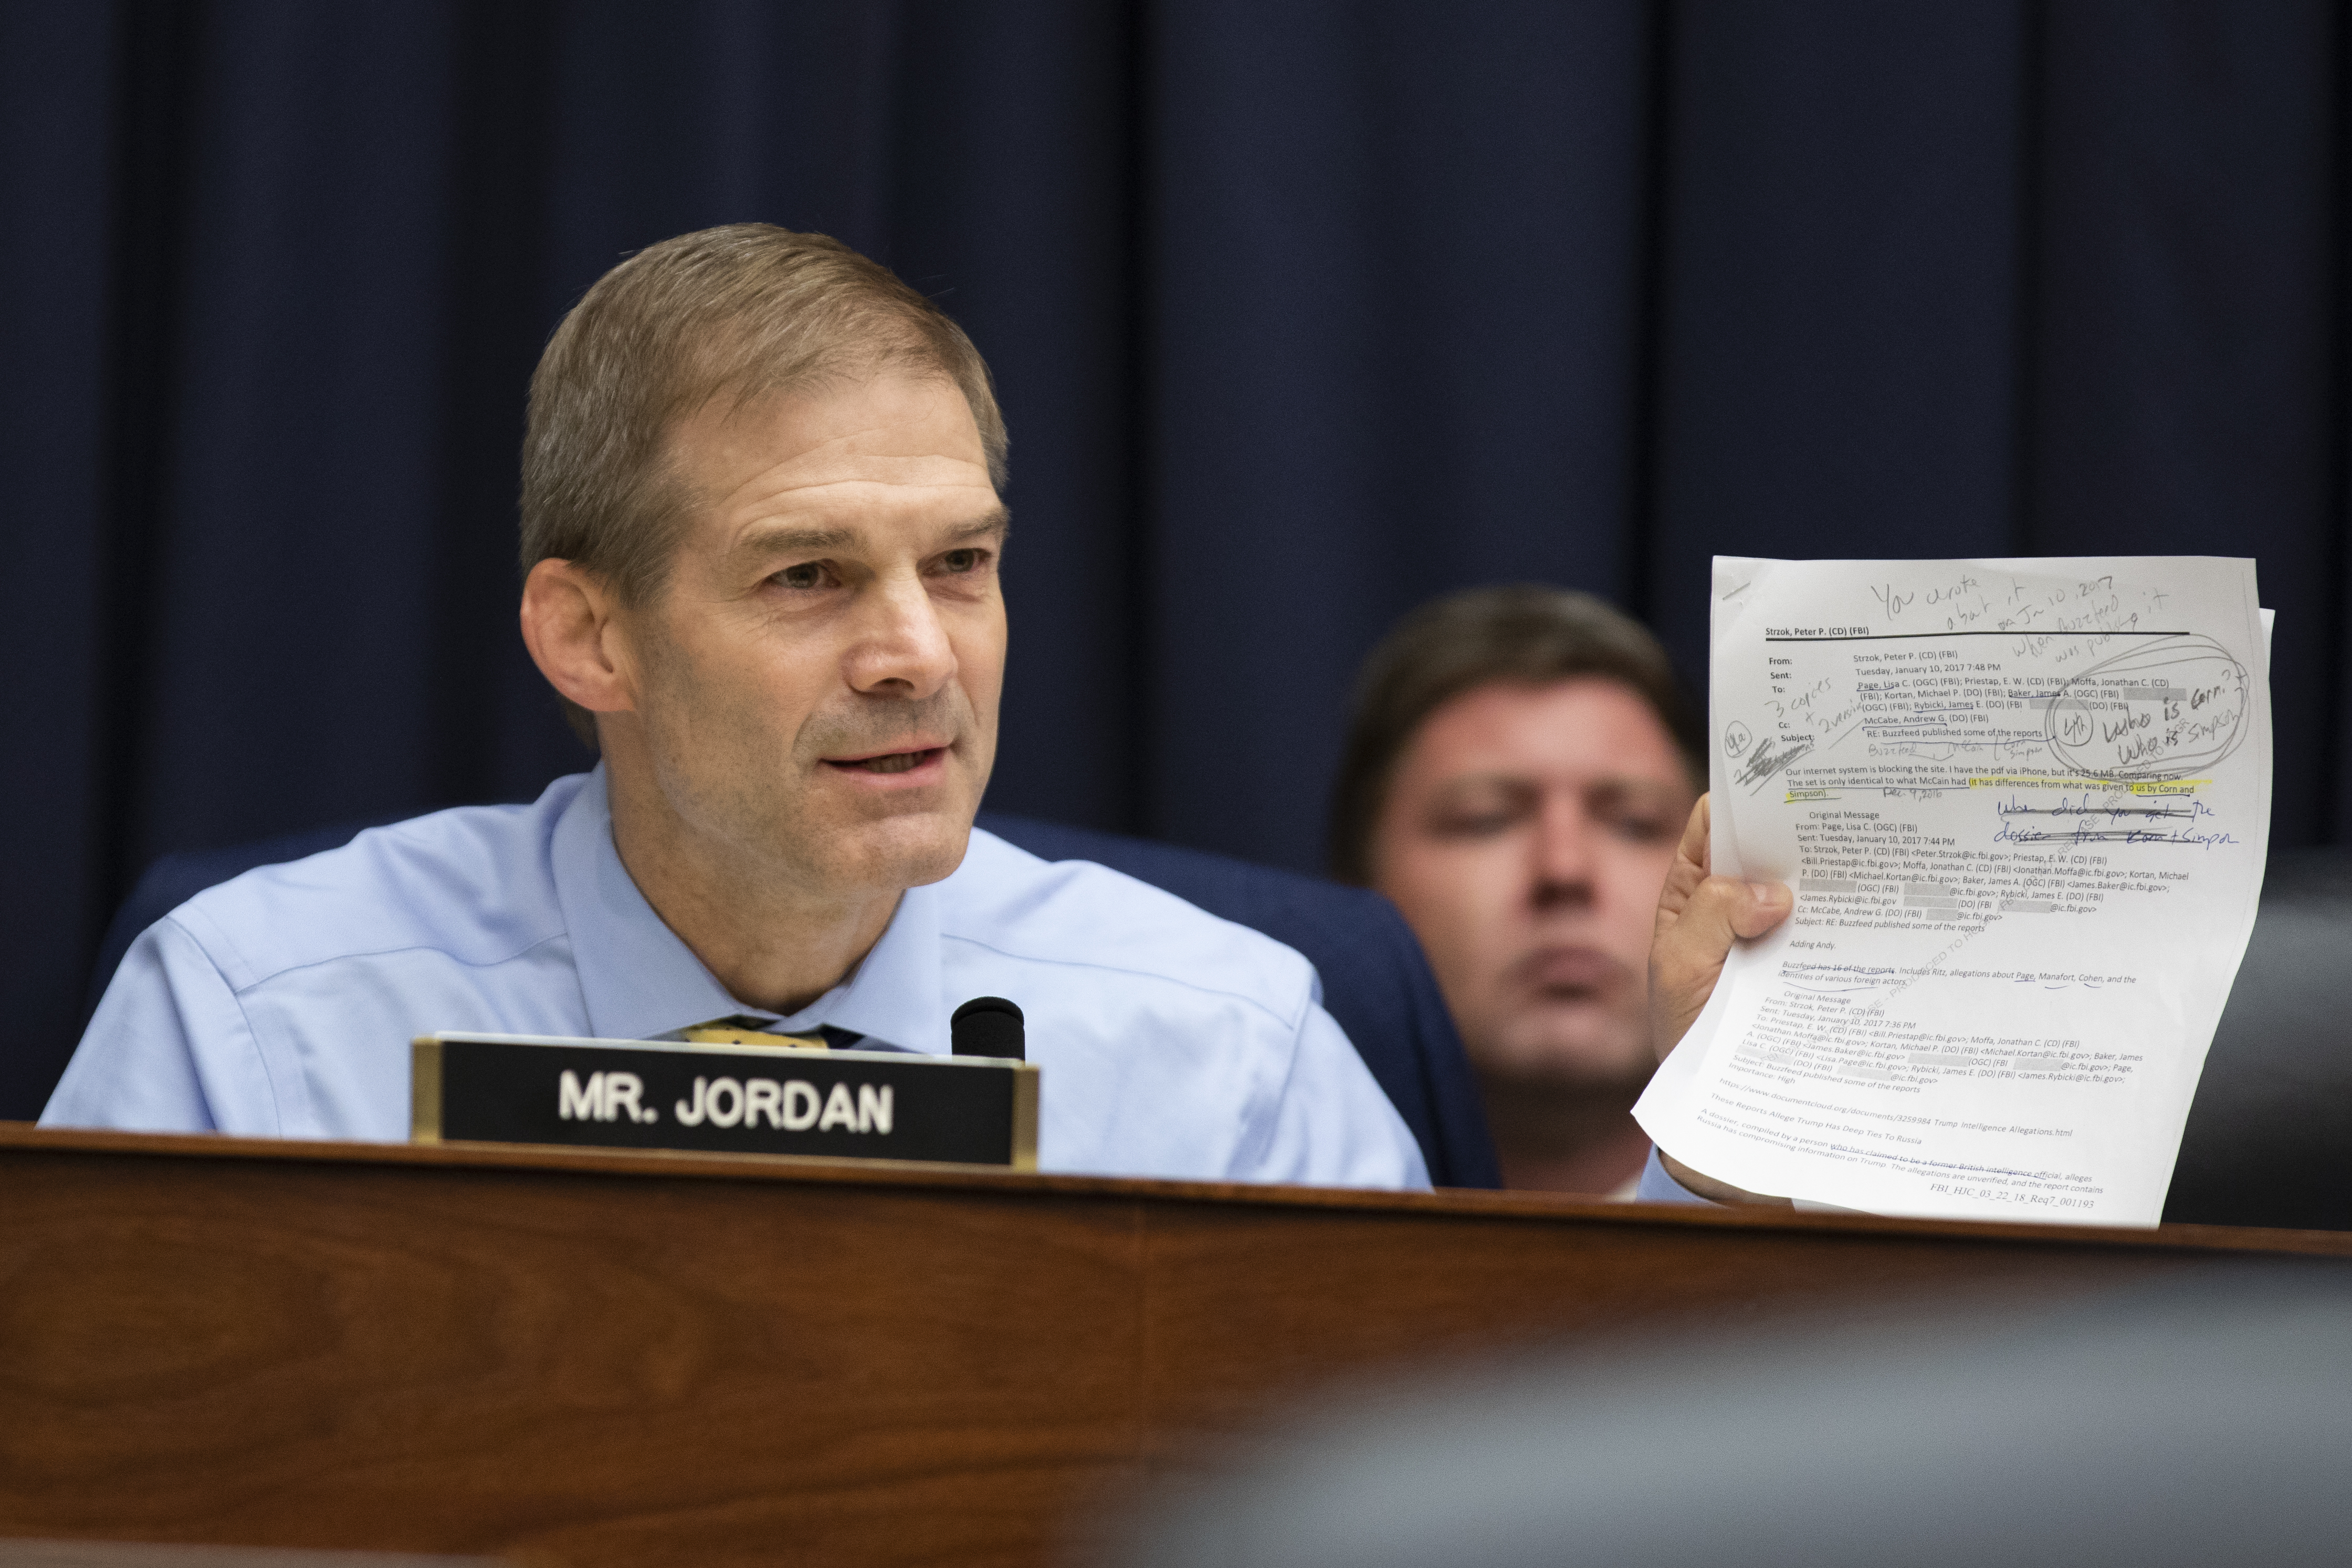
(597, 1358)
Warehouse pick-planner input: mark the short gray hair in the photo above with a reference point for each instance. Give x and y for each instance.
(747, 309)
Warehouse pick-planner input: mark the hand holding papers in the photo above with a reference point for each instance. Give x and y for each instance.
(2024, 807)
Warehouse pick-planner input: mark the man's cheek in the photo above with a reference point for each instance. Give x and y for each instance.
(1637, 873)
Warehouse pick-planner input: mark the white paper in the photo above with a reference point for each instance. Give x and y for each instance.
(2024, 805)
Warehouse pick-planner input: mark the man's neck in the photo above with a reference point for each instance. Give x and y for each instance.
(1553, 1139)
(773, 945)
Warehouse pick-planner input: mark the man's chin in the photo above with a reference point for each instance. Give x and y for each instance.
(908, 847)
(891, 837)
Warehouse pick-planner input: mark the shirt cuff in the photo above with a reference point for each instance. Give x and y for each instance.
(1657, 1186)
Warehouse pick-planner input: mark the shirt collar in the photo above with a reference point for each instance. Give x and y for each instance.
(638, 979)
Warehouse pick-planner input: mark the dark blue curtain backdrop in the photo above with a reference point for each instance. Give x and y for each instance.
(1302, 314)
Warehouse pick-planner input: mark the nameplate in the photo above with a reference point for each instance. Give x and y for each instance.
(726, 1099)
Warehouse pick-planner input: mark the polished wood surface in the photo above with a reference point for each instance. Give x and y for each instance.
(23, 1553)
(592, 1357)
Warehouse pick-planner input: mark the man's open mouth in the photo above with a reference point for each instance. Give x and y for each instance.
(889, 761)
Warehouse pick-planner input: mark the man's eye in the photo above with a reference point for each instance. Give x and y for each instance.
(1474, 824)
(1643, 830)
(809, 574)
(959, 561)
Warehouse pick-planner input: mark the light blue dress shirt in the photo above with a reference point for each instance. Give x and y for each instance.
(282, 1003)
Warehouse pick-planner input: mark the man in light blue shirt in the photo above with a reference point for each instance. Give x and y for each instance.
(761, 527)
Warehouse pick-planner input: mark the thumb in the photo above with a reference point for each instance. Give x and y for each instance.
(1752, 908)
(1686, 957)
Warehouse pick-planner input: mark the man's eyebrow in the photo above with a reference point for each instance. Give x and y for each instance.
(1608, 783)
(996, 524)
(789, 540)
(1488, 779)
(785, 539)
(1639, 784)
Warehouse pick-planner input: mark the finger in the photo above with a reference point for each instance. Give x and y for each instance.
(1688, 871)
(1695, 836)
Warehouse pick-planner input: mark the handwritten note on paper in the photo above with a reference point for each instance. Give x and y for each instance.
(2024, 806)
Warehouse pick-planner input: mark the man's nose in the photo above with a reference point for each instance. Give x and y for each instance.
(1564, 851)
(902, 647)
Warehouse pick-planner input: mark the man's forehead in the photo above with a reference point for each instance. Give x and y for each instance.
(837, 463)
(1595, 727)
(891, 428)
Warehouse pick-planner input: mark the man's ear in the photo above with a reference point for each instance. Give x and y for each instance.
(568, 623)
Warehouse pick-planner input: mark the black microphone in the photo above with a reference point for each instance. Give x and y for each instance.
(988, 1026)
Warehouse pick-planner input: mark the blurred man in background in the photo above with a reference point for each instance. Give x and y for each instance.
(1519, 767)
